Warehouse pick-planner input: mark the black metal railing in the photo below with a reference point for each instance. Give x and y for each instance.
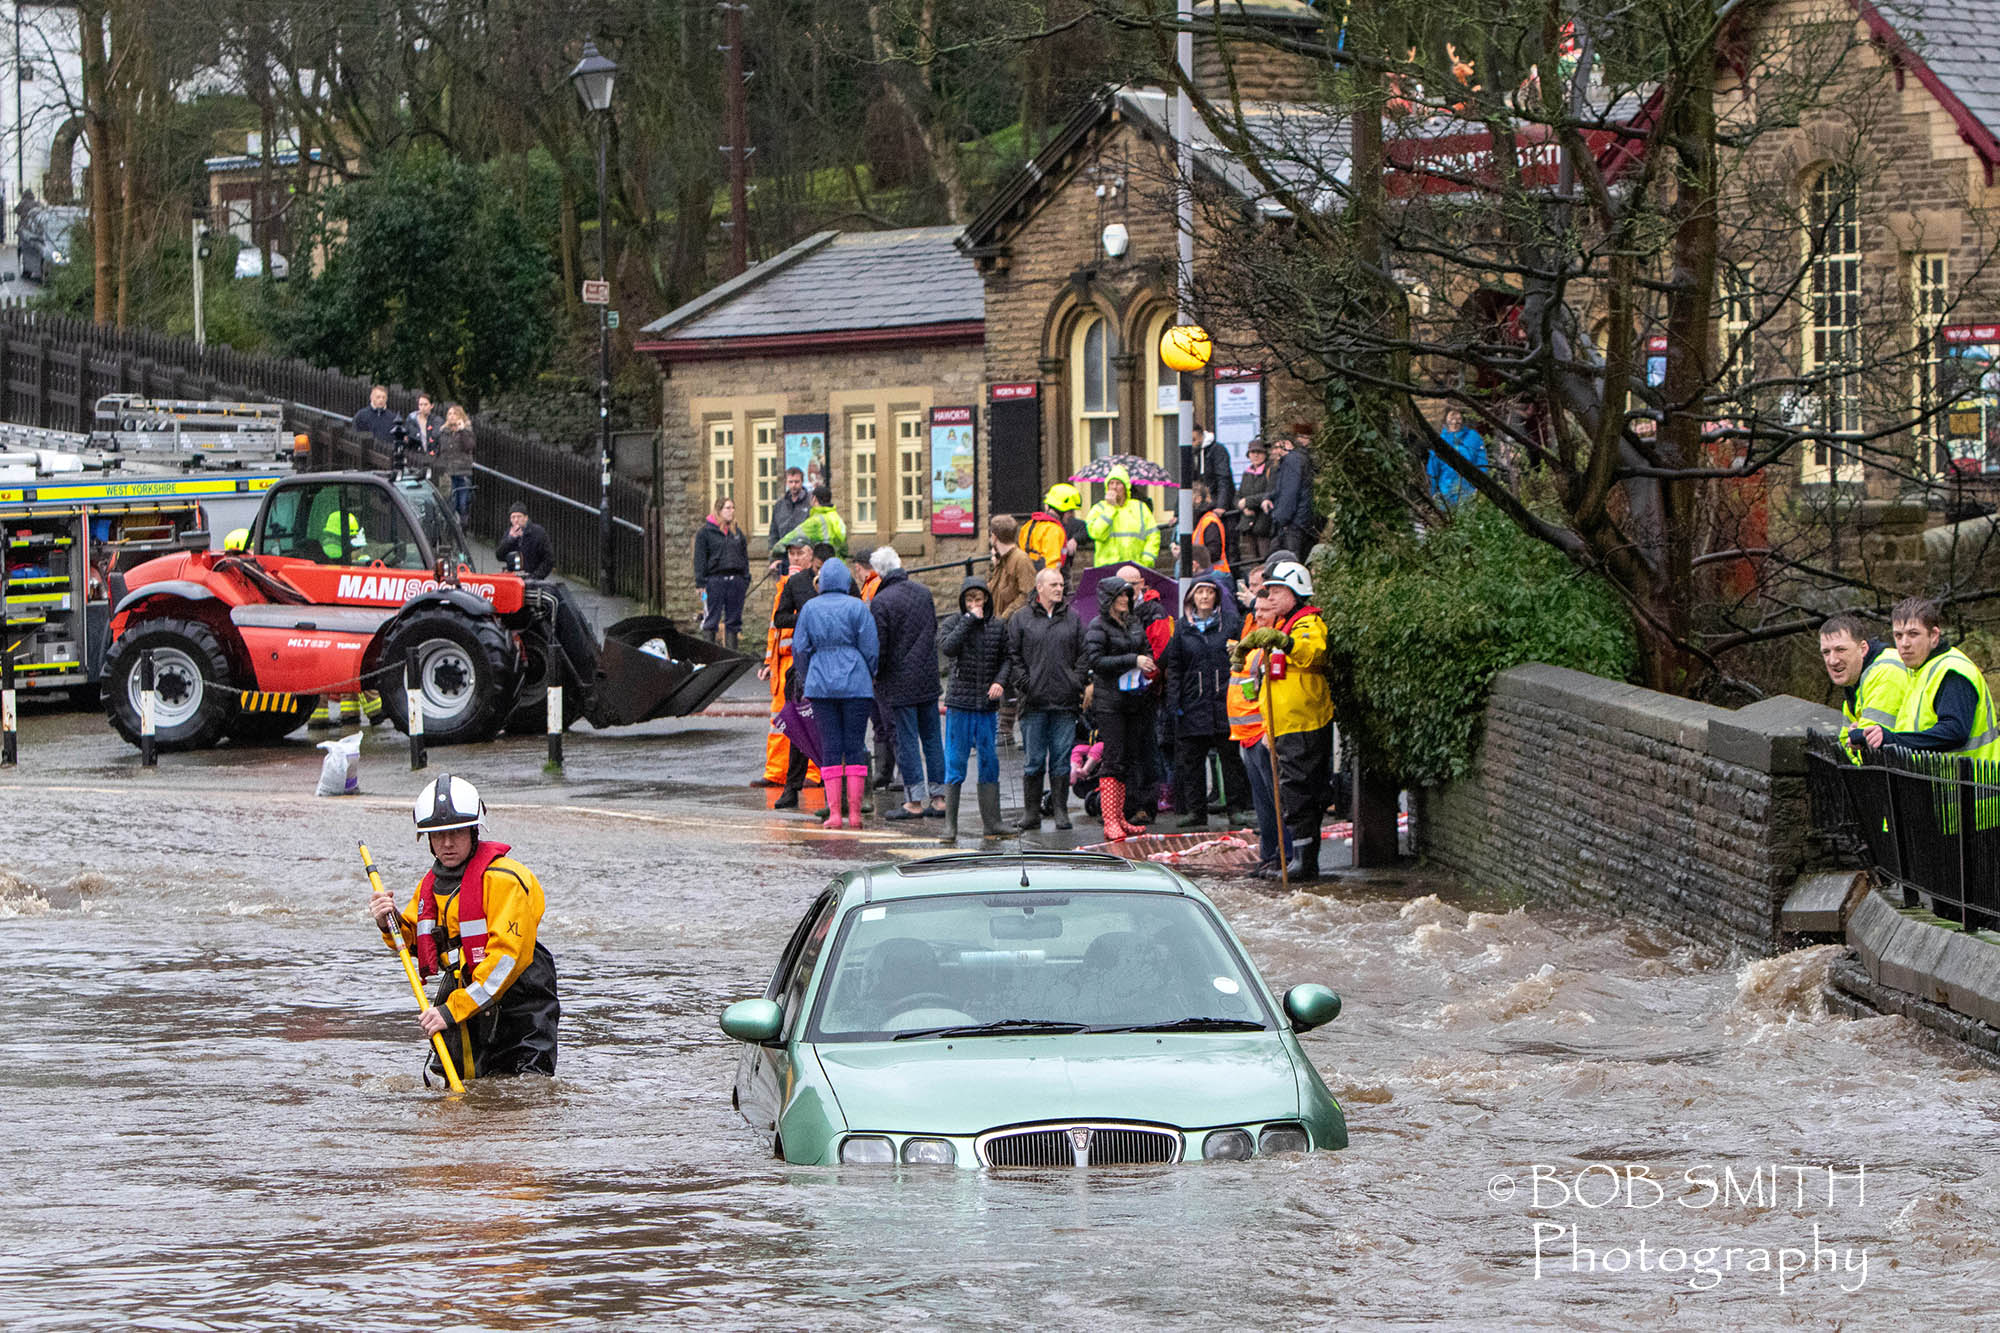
(53, 369)
(1927, 824)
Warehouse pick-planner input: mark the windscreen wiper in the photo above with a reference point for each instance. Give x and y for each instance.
(1188, 1025)
(996, 1028)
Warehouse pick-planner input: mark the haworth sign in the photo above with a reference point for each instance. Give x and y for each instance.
(1446, 164)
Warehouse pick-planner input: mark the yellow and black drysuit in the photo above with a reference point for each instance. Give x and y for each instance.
(476, 927)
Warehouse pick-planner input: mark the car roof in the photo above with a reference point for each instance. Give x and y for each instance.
(1002, 872)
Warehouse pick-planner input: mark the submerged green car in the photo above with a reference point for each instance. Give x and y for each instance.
(1046, 1010)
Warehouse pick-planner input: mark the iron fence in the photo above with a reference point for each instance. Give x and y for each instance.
(1927, 824)
(53, 369)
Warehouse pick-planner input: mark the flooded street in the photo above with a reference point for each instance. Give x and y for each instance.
(210, 1078)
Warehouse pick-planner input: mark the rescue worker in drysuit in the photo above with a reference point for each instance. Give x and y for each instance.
(473, 921)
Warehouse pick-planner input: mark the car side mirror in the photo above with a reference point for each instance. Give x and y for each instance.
(759, 1021)
(1308, 1006)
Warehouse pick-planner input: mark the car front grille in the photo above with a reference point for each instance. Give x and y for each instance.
(1052, 1146)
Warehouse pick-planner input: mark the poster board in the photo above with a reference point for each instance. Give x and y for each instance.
(954, 466)
(1239, 412)
(1969, 387)
(805, 448)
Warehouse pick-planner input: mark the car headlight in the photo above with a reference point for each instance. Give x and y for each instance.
(56, 257)
(929, 1152)
(1226, 1145)
(1282, 1138)
(867, 1150)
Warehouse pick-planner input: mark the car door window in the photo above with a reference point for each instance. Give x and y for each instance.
(790, 957)
(792, 1002)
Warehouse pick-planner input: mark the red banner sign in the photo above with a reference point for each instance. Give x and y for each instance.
(1463, 163)
(1003, 393)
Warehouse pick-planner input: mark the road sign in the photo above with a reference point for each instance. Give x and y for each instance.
(596, 291)
(611, 319)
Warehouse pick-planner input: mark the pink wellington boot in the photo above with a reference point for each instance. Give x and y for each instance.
(831, 779)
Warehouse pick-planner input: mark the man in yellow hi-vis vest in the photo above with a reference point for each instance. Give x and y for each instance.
(1948, 709)
(1872, 678)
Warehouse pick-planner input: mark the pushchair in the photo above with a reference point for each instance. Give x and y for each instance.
(1085, 759)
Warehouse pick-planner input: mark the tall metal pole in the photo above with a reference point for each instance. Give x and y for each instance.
(20, 151)
(738, 116)
(1183, 288)
(200, 320)
(603, 368)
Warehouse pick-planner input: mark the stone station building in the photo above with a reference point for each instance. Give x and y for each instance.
(1044, 312)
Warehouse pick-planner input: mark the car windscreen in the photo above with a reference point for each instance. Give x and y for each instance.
(439, 524)
(1085, 961)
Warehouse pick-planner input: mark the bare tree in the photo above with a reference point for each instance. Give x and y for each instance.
(1601, 231)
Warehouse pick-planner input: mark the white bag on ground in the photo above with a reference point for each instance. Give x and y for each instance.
(340, 771)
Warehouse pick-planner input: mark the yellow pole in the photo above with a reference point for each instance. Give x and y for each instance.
(395, 941)
(1271, 749)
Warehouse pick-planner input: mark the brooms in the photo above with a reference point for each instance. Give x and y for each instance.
(394, 939)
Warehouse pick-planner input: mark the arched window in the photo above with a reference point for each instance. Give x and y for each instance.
(1093, 390)
(1832, 343)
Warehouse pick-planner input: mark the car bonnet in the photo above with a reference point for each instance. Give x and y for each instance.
(967, 1085)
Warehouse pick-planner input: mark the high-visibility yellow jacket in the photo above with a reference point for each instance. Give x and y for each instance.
(1919, 710)
(1302, 701)
(514, 907)
(822, 525)
(1877, 698)
(1124, 533)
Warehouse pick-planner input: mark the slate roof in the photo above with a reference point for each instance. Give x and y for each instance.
(1956, 39)
(839, 281)
(1305, 148)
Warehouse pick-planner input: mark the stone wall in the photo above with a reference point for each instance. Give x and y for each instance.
(1921, 190)
(1596, 794)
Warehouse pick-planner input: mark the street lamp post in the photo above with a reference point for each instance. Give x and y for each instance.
(593, 78)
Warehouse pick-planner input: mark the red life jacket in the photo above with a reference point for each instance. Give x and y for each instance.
(1308, 609)
(471, 911)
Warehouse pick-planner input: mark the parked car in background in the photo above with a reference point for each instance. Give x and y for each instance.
(250, 264)
(47, 237)
(1038, 1010)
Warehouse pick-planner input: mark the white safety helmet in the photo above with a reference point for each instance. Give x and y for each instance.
(1291, 574)
(448, 803)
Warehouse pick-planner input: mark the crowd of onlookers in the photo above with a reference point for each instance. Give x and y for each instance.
(1067, 646)
(441, 440)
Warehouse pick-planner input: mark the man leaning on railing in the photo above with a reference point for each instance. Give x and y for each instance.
(1872, 678)
(1948, 708)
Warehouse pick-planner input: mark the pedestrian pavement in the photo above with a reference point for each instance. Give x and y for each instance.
(14, 289)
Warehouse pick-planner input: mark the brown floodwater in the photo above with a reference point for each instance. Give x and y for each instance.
(215, 1120)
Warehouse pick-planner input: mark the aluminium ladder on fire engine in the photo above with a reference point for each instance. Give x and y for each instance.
(194, 432)
(71, 517)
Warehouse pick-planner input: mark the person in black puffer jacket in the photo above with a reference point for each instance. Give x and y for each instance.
(976, 641)
(722, 572)
(1120, 671)
(1045, 661)
(1196, 661)
(906, 683)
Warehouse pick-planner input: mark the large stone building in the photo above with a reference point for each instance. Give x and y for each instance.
(1045, 311)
